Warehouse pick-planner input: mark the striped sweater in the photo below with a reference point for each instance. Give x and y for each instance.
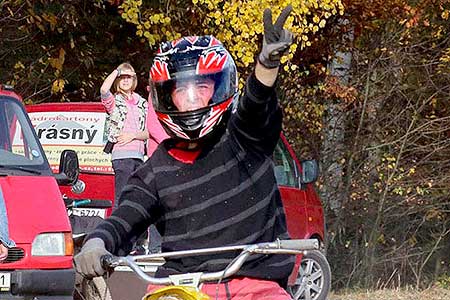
(228, 196)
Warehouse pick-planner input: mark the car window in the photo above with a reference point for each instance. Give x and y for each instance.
(18, 144)
(284, 166)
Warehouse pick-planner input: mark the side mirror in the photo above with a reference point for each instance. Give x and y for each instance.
(310, 171)
(69, 168)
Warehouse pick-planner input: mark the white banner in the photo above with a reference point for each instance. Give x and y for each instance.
(83, 132)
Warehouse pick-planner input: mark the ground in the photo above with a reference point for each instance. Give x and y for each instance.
(397, 294)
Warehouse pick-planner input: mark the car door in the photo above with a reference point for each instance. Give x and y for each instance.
(286, 174)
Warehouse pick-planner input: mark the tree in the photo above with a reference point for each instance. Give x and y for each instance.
(396, 228)
(61, 50)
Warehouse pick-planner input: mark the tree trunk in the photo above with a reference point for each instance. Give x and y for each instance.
(333, 147)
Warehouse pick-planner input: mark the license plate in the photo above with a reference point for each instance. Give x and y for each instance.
(89, 212)
(5, 281)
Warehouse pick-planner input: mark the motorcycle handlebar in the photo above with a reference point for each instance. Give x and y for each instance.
(276, 247)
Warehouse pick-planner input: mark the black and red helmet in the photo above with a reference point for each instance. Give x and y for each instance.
(193, 59)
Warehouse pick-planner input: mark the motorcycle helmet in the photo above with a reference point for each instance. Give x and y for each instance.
(194, 86)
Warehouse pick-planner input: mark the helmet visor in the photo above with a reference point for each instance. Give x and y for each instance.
(187, 91)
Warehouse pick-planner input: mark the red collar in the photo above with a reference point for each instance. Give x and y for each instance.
(184, 155)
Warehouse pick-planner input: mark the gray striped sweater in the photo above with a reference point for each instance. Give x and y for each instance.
(228, 196)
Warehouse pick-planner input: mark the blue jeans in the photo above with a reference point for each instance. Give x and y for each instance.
(123, 168)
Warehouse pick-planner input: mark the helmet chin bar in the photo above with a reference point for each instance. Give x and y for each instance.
(191, 123)
(192, 120)
(195, 125)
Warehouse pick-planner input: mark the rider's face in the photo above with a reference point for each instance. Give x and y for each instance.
(193, 94)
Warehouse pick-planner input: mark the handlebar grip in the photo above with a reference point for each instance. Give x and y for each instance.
(107, 261)
(306, 244)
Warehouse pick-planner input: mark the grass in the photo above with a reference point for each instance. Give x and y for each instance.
(435, 293)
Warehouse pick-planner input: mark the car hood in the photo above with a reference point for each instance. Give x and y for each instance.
(34, 205)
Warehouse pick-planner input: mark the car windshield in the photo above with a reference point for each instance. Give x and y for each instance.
(20, 150)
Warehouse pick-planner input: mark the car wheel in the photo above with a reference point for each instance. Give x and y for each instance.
(313, 281)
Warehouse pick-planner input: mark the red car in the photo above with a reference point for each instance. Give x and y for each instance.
(81, 127)
(40, 266)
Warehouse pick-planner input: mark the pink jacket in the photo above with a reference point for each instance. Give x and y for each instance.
(156, 131)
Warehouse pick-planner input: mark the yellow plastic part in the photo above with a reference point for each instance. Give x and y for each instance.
(176, 293)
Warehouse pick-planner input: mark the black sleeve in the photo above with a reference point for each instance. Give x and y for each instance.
(256, 124)
(132, 217)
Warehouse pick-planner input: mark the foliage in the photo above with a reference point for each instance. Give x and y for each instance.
(394, 227)
(444, 282)
(238, 24)
(61, 50)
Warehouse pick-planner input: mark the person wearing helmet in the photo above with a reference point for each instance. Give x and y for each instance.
(195, 85)
(212, 182)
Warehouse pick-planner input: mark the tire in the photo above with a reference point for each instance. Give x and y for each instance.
(92, 289)
(313, 281)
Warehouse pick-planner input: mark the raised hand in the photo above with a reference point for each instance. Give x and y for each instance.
(276, 40)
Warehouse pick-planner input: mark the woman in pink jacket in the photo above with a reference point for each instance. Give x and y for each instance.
(131, 123)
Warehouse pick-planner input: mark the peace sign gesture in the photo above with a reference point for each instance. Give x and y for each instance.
(276, 39)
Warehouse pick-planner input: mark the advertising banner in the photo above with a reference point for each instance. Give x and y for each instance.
(83, 132)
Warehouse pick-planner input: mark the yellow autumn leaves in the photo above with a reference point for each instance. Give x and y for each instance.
(57, 63)
(238, 24)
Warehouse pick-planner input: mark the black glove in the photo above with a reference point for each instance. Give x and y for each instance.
(276, 40)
